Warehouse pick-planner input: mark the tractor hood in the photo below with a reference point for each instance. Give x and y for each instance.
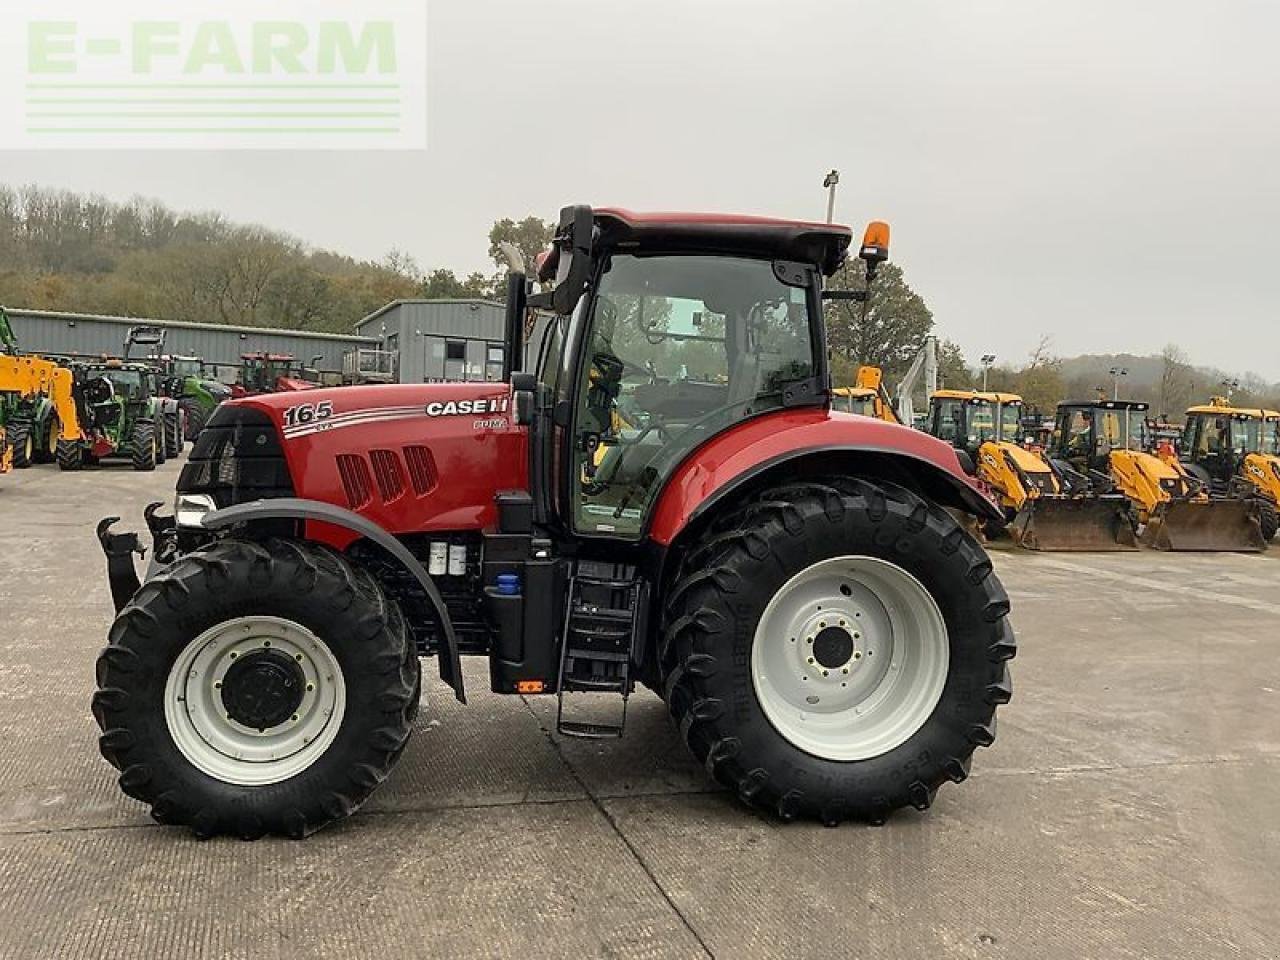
(411, 457)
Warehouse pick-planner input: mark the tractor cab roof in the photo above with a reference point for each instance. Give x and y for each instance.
(269, 357)
(1135, 405)
(1218, 406)
(1007, 399)
(823, 244)
(973, 396)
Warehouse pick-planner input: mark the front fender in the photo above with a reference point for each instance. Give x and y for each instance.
(290, 508)
(734, 458)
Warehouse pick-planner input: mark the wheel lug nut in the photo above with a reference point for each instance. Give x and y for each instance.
(310, 687)
(824, 673)
(218, 685)
(811, 659)
(844, 669)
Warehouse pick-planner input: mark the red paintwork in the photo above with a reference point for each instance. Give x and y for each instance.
(672, 218)
(762, 439)
(288, 384)
(472, 464)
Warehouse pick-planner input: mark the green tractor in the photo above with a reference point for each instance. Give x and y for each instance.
(121, 415)
(198, 394)
(30, 424)
(194, 393)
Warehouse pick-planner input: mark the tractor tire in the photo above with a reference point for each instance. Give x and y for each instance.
(173, 439)
(195, 420)
(23, 442)
(800, 596)
(256, 688)
(1268, 517)
(145, 445)
(47, 451)
(70, 455)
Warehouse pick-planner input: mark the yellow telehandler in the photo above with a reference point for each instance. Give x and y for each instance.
(1236, 448)
(1104, 442)
(28, 378)
(1044, 509)
(867, 397)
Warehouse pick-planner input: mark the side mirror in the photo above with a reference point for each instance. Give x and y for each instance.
(570, 258)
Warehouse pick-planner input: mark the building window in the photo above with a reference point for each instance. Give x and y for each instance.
(455, 350)
(393, 342)
(493, 362)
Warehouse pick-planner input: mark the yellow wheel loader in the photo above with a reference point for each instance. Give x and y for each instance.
(1045, 509)
(867, 397)
(1104, 441)
(1236, 449)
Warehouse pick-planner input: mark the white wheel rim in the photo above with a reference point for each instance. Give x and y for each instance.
(860, 696)
(228, 750)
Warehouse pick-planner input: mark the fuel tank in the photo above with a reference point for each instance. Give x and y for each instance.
(411, 457)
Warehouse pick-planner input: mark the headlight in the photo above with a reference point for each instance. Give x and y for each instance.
(189, 508)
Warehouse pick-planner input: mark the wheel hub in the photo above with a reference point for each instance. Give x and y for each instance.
(833, 647)
(263, 689)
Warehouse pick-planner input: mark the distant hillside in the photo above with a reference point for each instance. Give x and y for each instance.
(1170, 383)
(64, 251)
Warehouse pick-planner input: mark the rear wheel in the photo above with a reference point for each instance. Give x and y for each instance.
(70, 455)
(194, 422)
(256, 688)
(173, 434)
(47, 451)
(145, 445)
(23, 443)
(836, 651)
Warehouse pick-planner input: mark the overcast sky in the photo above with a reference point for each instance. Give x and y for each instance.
(1104, 172)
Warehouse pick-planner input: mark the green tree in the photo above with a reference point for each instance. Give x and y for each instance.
(891, 330)
(530, 236)
(444, 284)
(953, 371)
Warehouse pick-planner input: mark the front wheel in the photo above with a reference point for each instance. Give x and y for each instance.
(173, 438)
(23, 443)
(256, 688)
(837, 650)
(70, 454)
(146, 446)
(1268, 519)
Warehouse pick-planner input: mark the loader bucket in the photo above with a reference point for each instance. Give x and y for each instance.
(1228, 525)
(1074, 523)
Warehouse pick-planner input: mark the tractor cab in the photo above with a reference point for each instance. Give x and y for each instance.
(1219, 437)
(1086, 433)
(666, 333)
(270, 373)
(966, 419)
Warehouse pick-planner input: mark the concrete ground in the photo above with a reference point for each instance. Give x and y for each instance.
(1128, 808)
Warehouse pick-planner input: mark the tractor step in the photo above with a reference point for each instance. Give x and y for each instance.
(601, 635)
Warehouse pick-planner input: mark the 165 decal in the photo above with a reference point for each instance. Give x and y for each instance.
(305, 413)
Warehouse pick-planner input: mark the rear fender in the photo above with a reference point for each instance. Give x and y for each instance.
(289, 508)
(888, 452)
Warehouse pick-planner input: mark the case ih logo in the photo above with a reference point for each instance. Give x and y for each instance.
(454, 408)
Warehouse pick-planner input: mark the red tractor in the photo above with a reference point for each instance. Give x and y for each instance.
(270, 373)
(668, 499)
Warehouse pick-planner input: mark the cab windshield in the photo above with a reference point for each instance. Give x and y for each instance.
(186, 368)
(1010, 421)
(127, 383)
(1122, 429)
(982, 422)
(679, 347)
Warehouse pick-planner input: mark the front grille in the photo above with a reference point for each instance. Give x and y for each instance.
(237, 458)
